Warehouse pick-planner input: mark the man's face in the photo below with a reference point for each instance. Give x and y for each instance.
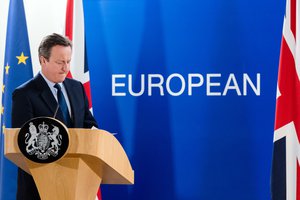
(58, 65)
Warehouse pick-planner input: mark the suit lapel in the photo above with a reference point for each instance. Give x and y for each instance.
(71, 91)
(45, 93)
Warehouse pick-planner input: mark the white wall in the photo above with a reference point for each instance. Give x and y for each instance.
(43, 18)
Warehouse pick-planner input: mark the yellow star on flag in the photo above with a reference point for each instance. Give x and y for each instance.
(3, 127)
(22, 58)
(3, 87)
(2, 110)
(6, 68)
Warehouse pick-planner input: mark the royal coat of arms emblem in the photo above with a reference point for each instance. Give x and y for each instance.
(43, 143)
(42, 139)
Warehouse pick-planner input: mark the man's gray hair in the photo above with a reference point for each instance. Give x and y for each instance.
(50, 41)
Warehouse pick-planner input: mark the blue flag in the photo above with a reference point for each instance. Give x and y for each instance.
(17, 70)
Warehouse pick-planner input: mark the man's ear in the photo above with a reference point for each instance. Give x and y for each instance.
(42, 60)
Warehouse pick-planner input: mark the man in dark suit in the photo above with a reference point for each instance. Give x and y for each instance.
(41, 96)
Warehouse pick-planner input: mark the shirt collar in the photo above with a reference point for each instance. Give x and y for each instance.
(50, 83)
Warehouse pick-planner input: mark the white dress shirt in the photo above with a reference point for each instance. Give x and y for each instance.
(54, 91)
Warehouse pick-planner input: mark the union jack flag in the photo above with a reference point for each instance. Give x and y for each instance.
(286, 151)
(75, 31)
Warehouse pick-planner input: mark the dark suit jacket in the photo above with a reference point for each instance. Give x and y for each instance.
(35, 99)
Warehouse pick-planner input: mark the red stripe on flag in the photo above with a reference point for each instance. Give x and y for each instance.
(293, 17)
(69, 24)
(69, 19)
(288, 104)
(87, 88)
(99, 195)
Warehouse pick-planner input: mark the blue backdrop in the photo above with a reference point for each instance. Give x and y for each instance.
(195, 146)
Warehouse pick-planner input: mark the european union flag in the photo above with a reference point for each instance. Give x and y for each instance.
(17, 70)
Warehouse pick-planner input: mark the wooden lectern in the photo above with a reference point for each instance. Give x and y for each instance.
(94, 156)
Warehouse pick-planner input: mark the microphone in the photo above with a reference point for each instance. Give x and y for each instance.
(56, 109)
(55, 113)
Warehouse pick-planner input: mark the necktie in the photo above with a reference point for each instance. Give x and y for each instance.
(63, 105)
